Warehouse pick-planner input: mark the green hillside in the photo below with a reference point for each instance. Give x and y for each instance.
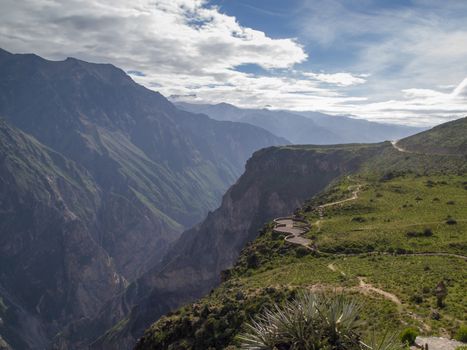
(386, 235)
(447, 138)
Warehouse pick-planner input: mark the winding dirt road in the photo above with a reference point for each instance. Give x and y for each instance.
(294, 232)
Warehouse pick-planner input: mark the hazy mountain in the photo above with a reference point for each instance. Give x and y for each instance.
(99, 175)
(361, 130)
(306, 127)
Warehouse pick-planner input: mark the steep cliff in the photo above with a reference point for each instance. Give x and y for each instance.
(383, 236)
(100, 176)
(276, 181)
(52, 268)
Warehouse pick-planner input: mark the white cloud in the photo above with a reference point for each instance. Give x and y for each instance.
(190, 48)
(340, 79)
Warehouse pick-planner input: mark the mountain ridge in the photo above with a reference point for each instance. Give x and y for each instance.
(306, 127)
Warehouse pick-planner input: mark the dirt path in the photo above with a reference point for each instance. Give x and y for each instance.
(400, 149)
(353, 197)
(332, 267)
(343, 255)
(369, 227)
(366, 287)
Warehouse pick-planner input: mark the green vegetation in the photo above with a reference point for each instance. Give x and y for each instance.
(399, 215)
(447, 138)
(364, 249)
(461, 334)
(311, 321)
(398, 245)
(408, 336)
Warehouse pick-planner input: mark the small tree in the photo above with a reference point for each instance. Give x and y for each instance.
(252, 261)
(441, 292)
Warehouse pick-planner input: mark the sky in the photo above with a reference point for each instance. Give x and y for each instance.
(384, 60)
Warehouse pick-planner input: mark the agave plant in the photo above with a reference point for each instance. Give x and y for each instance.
(389, 341)
(310, 322)
(340, 320)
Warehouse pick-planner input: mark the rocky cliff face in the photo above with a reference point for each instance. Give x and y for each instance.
(52, 268)
(276, 181)
(98, 176)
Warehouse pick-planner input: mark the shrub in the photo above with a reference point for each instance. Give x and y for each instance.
(408, 336)
(427, 232)
(276, 235)
(462, 347)
(400, 251)
(416, 298)
(252, 262)
(426, 290)
(301, 251)
(461, 334)
(451, 221)
(358, 219)
(412, 234)
(435, 315)
(225, 275)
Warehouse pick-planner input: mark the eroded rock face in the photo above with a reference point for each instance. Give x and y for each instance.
(98, 177)
(52, 270)
(276, 181)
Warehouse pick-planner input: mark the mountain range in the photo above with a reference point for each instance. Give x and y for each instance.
(99, 176)
(109, 192)
(306, 127)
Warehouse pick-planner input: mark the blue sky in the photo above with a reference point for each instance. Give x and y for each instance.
(394, 61)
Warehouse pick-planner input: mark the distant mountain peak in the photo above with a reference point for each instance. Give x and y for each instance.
(4, 52)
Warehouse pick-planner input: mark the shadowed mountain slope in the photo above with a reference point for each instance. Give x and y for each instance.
(133, 172)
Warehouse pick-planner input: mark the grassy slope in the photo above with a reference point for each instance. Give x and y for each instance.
(447, 138)
(362, 241)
